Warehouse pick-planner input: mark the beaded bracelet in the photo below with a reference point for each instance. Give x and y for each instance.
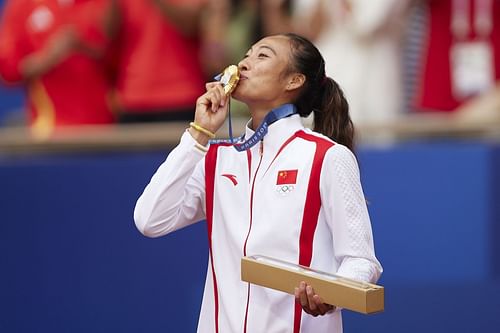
(201, 129)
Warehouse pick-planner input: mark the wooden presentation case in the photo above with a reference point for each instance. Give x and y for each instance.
(339, 291)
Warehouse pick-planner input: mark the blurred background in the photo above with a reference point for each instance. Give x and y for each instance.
(95, 93)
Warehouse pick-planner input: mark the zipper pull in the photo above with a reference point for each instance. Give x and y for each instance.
(261, 148)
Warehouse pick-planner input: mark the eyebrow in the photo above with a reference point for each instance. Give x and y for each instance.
(264, 47)
(268, 47)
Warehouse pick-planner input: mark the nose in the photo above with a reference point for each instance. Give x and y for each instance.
(243, 64)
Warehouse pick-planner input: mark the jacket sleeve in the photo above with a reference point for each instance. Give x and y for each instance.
(13, 41)
(175, 196)
(347, 215)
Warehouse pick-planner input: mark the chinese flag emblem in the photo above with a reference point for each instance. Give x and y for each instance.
(287, 177)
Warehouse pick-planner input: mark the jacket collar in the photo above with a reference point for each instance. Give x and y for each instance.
(278, 132)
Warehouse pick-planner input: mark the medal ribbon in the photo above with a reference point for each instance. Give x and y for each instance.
(281, 112)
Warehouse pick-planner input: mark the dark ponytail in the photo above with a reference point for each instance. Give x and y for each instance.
(320, 93)
(331, 114)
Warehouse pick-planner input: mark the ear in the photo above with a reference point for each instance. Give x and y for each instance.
(296, 81)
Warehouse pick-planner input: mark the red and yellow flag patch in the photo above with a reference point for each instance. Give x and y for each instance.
(287, 177)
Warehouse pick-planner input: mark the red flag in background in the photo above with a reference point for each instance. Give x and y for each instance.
(287, 177)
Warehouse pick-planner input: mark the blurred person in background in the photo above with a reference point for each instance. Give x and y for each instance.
(54, 48)
(461, 59)
(215, 31)
(158, 73)
(229, 26)
(362, 44)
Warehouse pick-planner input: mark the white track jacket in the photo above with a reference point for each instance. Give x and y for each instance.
(296, 197)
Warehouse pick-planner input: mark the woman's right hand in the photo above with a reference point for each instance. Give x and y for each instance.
(211, 111)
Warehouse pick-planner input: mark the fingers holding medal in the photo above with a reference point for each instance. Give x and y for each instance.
(220, 90)
(217, 98)
(214, 98)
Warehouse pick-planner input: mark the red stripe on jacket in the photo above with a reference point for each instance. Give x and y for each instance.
(311, 210)
(210, 164)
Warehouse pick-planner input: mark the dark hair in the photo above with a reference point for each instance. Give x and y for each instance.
(320, 93)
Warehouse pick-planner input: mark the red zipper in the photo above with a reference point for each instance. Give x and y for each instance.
(261, 153)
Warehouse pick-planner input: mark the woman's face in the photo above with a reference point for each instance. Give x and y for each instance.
(263, 72)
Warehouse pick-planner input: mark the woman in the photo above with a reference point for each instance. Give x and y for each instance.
(295, 195)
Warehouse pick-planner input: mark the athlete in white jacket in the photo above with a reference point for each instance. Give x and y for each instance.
(295, 195)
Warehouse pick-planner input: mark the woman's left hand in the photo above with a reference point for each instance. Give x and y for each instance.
(310, 302)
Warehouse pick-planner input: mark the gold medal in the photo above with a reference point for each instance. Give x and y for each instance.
(229, 78)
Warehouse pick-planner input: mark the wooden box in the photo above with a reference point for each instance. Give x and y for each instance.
(339, 291)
